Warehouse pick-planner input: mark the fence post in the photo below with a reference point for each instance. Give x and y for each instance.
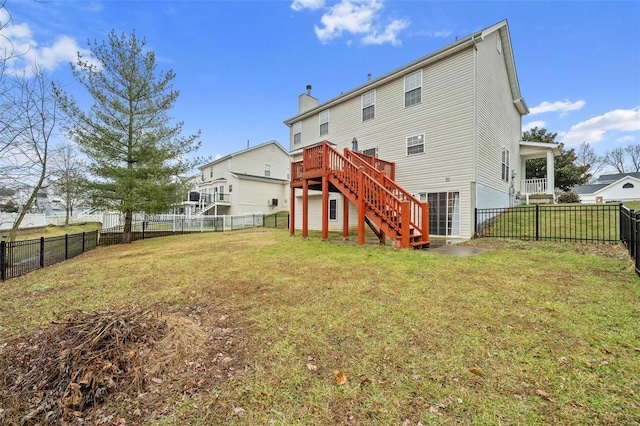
(144, 223)
(632, 234)
(3, 260)
(42, 252)
(475, 222)
(66, 246)
(537, 222)
(83, 236)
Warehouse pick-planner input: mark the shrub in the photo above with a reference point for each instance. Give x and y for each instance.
(569, 197)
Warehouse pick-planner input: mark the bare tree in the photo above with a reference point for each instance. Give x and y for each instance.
(615, 158)
(68, 176)
(633, 153)
(586, 156)
(35, 110)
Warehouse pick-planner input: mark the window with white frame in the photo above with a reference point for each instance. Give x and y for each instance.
(267, 169)
(324, 122)
(444, 213)
(413, 89)
(415, 144)
(369, 105)
(297, 132)
(230, 188)
(505, 164)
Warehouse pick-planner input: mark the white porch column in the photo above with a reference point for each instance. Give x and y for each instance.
(523, 173)
(551, 184)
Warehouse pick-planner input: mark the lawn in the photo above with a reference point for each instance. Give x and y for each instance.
(264, 328)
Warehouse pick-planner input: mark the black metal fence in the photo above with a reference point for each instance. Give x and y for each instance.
(19, 257)
(629, 230)
(595, 223)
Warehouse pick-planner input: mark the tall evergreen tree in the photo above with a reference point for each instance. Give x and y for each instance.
(567, 173)
(133, 145)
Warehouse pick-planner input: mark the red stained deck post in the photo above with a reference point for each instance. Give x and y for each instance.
(361, 206)
(292, 212)
(345, 216)
(405, 218)
(305, 208)
(425, 222)
(325, 206)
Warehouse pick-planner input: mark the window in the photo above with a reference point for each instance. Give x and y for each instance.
(297, 132)
(371, 151)
(415, 145)
(333, 209)
(505, 164)
(369, 105)
(230, 188)
(444, 213)
(413, 89)
(211, 172)
(627, 185)
(267, 169)
(324, 122)
(499, 44)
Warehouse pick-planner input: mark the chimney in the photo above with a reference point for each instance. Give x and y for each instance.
(306, 101)
(369, 77)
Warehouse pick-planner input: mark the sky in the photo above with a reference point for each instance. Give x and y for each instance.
(241, 65)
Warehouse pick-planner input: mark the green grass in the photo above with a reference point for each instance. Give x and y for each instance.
(524, 333)
(558, 222)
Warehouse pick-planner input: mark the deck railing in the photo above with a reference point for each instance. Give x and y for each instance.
(534, 186)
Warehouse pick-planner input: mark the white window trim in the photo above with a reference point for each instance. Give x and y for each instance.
(336, 203)
(407, 145)
(373, 104)
(297, 130)
(414, 88)
(321, 122)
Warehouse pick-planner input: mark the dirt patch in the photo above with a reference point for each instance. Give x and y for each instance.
(125, 366)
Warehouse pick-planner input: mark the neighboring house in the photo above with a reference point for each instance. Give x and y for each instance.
(7, 200)
(451, 123)
(255, 180)
(613, 187)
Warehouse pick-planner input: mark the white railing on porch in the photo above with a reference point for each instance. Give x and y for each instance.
(534, 186)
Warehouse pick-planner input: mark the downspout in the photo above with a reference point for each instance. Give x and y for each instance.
(475, 134)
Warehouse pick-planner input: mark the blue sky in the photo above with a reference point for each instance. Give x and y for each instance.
(241, 65)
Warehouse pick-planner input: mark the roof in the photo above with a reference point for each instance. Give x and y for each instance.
(244, 151)
(616, 177)
(594, 188)
(479, 36)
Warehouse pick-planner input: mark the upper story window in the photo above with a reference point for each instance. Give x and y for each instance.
(297, 132)
(211, 172)
(230, 188)
(324, 122)
(415, 144)
(627, 185)
(267, 169)
(368, 105)
(413, 89)
(505, 164)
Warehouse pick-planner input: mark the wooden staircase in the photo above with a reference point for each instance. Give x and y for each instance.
(369, 184)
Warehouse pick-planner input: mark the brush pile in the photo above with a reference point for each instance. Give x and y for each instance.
(72, 366)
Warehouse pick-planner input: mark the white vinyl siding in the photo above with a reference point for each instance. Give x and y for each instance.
(369, 105)
(498, 121)
(413, 89)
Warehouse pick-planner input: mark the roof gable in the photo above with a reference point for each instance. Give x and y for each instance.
(467, 42)
(244, 151)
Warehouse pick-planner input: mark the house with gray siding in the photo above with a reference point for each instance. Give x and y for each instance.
(451, 122)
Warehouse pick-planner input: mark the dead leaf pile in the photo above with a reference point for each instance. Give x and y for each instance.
(75, 364)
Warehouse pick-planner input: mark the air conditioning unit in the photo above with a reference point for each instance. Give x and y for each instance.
(273, 202)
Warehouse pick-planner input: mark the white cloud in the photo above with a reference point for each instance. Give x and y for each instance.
(299, 5)
(389, 35)
(594, 129)
(562, 106)
(355, 17)
(531, 125)
(26, 52)
(626, 139)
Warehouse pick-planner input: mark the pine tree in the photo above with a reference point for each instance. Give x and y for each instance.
(134, 147)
